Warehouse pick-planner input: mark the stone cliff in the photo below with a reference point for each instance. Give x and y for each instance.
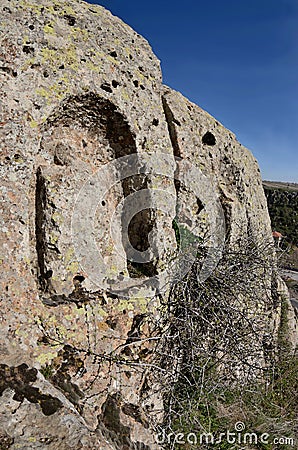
(79, 90)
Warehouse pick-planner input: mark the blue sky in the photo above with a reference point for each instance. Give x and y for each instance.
(237, 59)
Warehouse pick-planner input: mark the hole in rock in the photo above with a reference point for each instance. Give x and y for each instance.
(103, 121)
(106, 87)
(209, 139)
(70, 20)
(48, 274)
(28, 50)
(78, 279)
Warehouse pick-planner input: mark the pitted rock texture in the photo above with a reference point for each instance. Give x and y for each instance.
(79, 89)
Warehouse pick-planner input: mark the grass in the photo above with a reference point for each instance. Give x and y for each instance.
(264, 408)
(268, 408)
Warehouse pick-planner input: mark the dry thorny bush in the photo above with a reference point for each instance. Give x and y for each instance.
(220, 360)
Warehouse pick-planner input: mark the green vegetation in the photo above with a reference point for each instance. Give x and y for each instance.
(184, 237)
(267, 407)
(283, 210)
(47, 371)
(270, 408)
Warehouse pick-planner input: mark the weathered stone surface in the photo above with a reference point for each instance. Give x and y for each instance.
(79, 89)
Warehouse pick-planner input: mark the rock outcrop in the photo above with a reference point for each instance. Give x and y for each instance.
(79, 90)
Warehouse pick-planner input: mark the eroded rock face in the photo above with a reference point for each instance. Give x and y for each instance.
(80, 89)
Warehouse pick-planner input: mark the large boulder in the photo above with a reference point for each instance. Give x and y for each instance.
(79, 304)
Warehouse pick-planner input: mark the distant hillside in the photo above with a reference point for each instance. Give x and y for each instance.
(282, 201)
(280, 185)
